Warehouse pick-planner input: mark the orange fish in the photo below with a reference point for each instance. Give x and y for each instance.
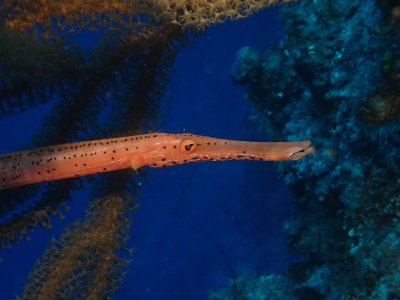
(152, 150)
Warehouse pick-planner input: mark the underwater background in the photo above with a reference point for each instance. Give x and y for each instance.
(323, 227)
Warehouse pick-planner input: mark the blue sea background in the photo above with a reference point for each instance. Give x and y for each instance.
(198, 225)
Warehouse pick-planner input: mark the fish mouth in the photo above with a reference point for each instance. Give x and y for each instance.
(307, 149)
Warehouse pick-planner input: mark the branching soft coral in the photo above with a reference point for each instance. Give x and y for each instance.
(202, 13)
(85, 263)
(21, 15)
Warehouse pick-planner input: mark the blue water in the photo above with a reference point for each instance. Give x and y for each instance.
(198, 224)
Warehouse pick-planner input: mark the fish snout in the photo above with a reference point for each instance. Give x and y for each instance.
(302, 150)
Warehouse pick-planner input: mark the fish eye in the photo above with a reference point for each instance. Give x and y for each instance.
(187, 146)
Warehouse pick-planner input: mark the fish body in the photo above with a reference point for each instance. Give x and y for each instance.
(152, 150)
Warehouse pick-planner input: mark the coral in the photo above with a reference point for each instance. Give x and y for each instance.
(200, 13)
(138, 15)
(86, 262)
(48, 64)
(55, 63)
(334, 79)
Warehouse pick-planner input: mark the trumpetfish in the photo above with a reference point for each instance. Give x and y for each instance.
(152, 150)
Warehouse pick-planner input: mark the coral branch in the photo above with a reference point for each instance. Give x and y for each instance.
(21, 15)
(85, 262)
